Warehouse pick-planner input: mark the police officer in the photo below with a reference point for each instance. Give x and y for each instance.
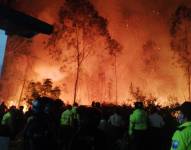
(181, 139)
(66, 117)
(9, 121)
(66, 124)
(138, 127)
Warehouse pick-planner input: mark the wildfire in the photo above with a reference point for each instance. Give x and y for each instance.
(146, 58)
(52, 72)
(10, 103)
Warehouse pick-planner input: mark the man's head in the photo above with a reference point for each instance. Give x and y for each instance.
(185, 109)
(37, 105)
(138, 105)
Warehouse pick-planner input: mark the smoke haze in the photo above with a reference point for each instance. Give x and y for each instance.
(133, 24)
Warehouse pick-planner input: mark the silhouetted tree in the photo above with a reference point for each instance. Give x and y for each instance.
(151, 100)
(180, 43)
(150, 56)
(110, 89)
(80, 27)
(136, 93)
(38, 89)
(17, 50)
(114, 50)
(55, 93)
(46, 87)
(172, 99)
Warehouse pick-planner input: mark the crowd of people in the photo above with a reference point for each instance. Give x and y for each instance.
(51, 125)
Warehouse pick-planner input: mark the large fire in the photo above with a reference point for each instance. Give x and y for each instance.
(146, 60)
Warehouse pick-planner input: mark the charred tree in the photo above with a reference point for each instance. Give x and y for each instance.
(114, 50)
(180, 43)
(150, 56)
(79, 27)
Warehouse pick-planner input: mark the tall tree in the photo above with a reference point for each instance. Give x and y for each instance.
(114, 50)
(150, 56)
(47, 87)
(181, 39)
(137, 93)
(80, 27)
(38, 89)
(17, 52)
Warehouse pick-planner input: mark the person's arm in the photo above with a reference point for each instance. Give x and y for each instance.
(131, 124)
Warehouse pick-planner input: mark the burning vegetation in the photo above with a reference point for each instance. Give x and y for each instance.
(99, 52)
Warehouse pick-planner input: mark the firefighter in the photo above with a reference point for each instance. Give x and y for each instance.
(138, 127)
(181, 139)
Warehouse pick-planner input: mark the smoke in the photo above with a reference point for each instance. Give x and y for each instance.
(132, 23)
(135, 22)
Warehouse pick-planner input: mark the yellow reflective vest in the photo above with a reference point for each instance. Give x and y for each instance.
(66, 118)
(7, 119)
(138, 121)
(181, 139)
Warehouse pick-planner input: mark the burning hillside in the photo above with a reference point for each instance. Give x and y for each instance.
(99, 51)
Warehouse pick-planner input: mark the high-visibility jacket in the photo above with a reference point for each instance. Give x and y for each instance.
(138, 121)
(181, 139)
(7, 119)
(66, 118)
(75, 114)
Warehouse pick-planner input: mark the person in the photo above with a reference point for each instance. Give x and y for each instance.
(116, 119)
(39, 132)
(3, 109)
(75, 116)
(66, 126)
(138, 124)
(155, 119)
(89, 137)
(66, 117)
(9, 121)
(181, 139)
(156, 124)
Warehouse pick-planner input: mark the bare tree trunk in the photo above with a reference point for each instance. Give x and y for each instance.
(24, 82)
(189, 92)
(186, 49)
(109, 90)
(116, 81)
(78, 66)
(88, 91)
(76, 82)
